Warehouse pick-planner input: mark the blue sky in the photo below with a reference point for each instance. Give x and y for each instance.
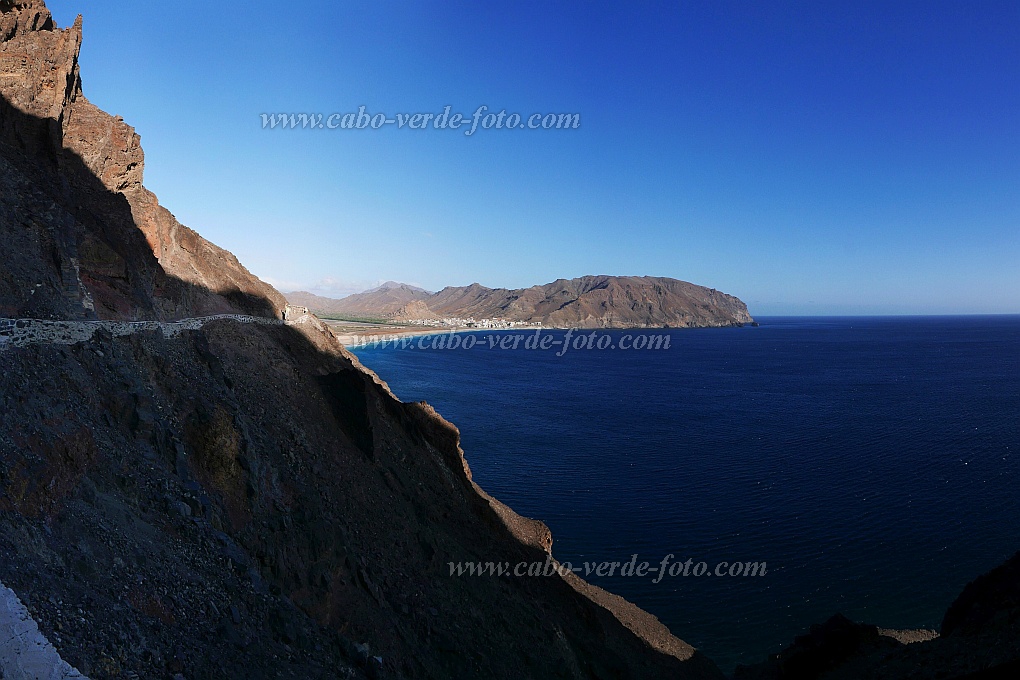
(808, 157)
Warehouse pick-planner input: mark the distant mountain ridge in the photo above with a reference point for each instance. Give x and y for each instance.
(585, 302)
(382, 301)
(390, 285)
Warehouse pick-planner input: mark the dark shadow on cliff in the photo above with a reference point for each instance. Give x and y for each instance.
(102, 244)
(244, 496)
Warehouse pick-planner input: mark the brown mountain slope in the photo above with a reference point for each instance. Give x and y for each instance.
(237, 499)
(598, 302)
(381, 302)
(586, 302)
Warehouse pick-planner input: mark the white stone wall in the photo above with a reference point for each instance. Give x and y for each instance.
(21, 332)
(25, 654)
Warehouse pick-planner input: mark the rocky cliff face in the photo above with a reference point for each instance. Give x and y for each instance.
(125, 254)
(239, 499)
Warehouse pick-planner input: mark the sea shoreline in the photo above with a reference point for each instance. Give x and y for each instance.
(358, 340)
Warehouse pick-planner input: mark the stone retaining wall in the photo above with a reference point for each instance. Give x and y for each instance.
(25, 653)
(21, 332)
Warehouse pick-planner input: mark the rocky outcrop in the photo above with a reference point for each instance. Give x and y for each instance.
(108, 217)
(988, 602)
(979, 640)
(418, 310)
(232, 495)
(826, 647)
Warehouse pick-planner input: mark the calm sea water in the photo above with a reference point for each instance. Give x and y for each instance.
(872, 463)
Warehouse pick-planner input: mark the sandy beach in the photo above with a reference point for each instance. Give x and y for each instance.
(353, 335)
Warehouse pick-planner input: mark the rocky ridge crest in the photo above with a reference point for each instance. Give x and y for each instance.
(47, 118)
(585, 302)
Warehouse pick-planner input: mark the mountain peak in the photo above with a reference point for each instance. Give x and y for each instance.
(396, 285)
(20, 16)
(38, 60)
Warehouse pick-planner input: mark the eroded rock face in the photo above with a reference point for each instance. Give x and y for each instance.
(38, 62)
(91, 158)
(109, 147)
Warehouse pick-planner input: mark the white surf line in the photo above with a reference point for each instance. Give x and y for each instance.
(25, 653)
(21, 332)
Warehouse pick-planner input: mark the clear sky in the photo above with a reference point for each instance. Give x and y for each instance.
(809, 157)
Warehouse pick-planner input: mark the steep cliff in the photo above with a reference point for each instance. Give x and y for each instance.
(116, 245)
(231, 497)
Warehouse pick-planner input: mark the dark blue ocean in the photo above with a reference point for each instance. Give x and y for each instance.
(873, 464)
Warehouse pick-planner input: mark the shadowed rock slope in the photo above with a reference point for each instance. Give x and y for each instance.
(238, 500)
(137, 262)
(979, 640)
